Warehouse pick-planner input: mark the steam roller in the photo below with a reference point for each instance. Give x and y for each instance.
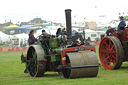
(65, 53)
(79, 63)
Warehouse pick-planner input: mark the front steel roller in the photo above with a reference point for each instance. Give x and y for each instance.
(81, 59)
(111, 53)
(35, 64)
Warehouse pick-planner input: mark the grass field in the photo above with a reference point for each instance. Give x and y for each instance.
(11, 73)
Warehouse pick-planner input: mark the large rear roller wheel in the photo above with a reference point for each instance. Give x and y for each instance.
(111, 53)
(35, 64)
(80, 59)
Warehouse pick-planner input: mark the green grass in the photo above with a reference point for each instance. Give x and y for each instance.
(11, 73)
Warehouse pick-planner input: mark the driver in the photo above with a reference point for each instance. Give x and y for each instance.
(59, 31)
(45, 33)
(109, 31)
(122, 24)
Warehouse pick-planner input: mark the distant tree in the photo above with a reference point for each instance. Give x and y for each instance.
(24, 23)
(1, 26)
(37, 21)
(7, 23)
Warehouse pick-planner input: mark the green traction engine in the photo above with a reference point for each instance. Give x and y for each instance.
(66, 54)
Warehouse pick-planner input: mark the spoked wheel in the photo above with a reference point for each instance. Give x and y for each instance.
(111, 53)
(35, 64)
(80, 59)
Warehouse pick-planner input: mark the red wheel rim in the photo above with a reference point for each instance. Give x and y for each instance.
(108, 55)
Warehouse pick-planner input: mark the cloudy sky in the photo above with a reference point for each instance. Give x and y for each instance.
(25, 10)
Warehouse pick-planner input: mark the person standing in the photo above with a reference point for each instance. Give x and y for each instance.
(122, 23)
(31, 39)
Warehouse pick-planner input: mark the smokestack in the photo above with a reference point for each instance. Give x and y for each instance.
(68, 24)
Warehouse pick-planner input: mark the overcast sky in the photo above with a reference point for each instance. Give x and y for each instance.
(25, 10)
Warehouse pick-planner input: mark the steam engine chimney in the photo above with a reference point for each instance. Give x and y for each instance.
(68, 24)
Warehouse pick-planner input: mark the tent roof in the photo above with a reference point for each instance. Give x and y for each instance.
(12, 26)
(1, 33)
(21, 35)
(23, 27)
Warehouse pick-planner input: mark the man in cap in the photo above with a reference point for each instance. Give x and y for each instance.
(122, 24)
